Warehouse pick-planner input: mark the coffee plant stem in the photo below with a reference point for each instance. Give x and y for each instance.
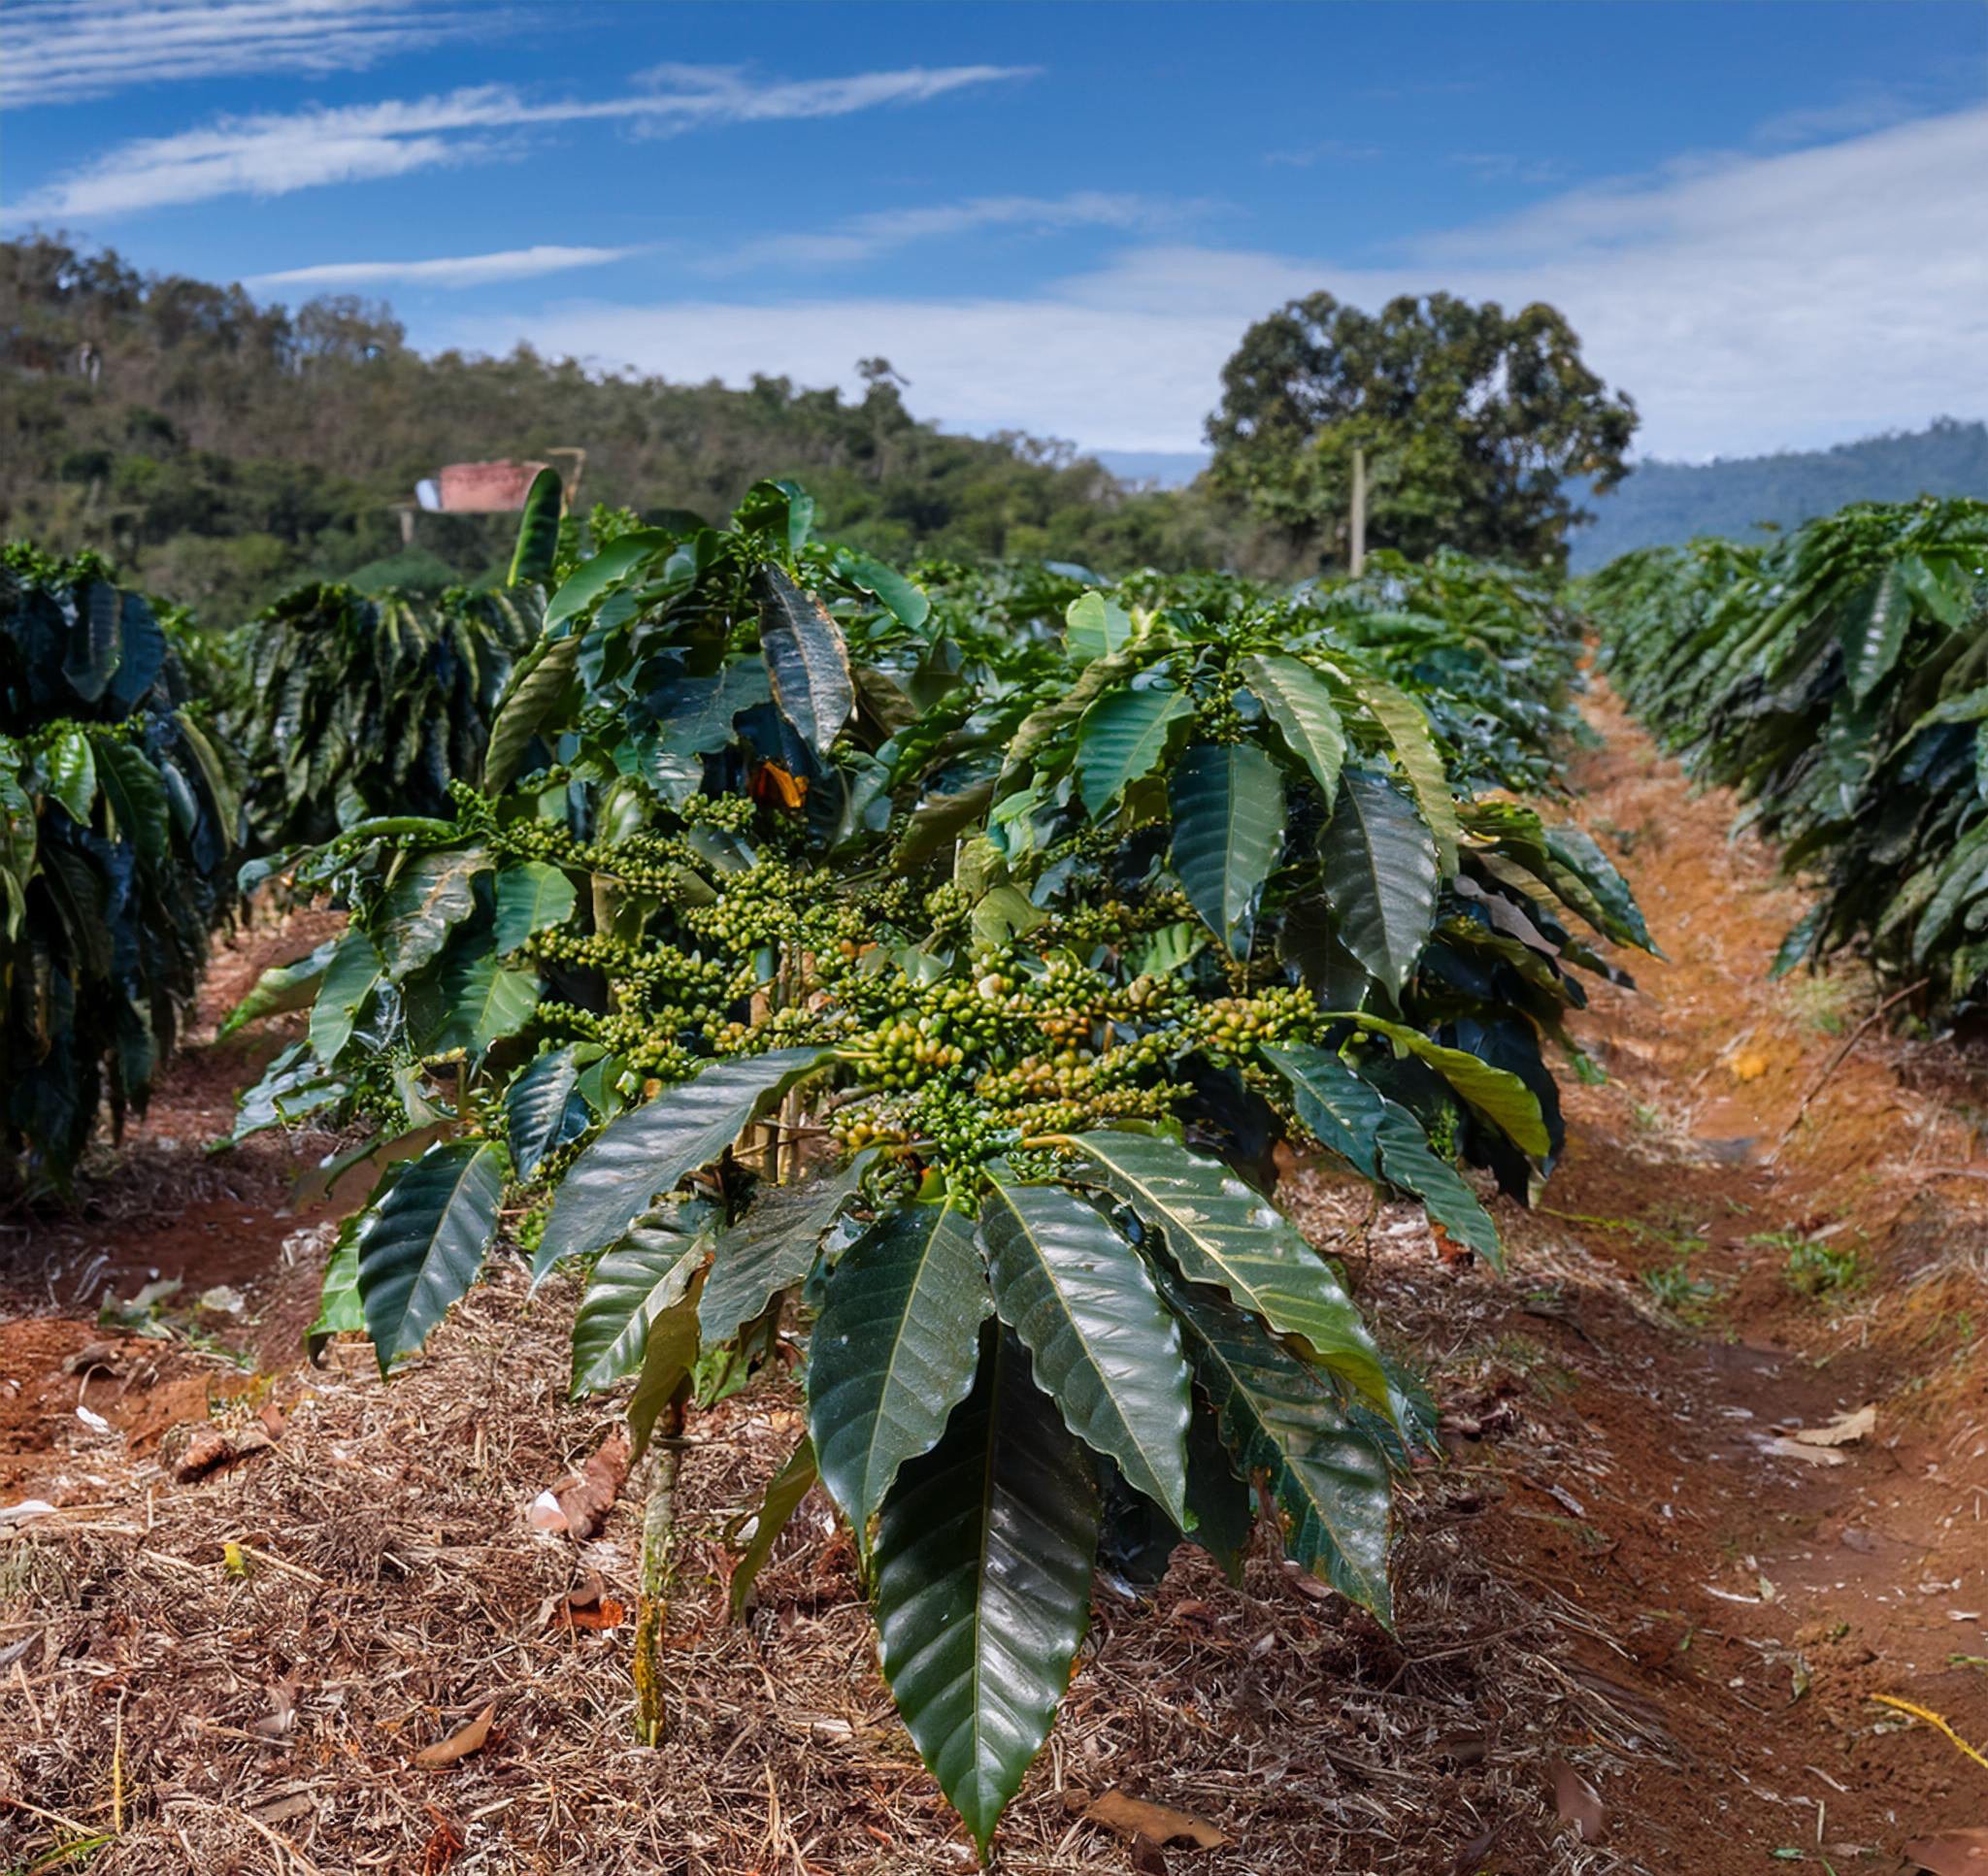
(657, 1571)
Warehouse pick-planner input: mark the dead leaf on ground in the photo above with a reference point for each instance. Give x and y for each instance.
(1952, 1853)
(1807, 1455)
(1577, 1801)
(281, 1810)
(586, 1496)
(1160, 1824)
(590, 1607)
(1846, 1430)
(460, 1743)
(283, 1709)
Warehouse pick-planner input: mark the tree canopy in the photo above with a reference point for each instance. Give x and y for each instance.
(1472, 420)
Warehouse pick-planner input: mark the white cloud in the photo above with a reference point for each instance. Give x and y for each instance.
(460, 270)
(866, 237)
(1747, 303)
(273, 154)
(57, 51)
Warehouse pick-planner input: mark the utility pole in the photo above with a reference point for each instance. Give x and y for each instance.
(1359, 554)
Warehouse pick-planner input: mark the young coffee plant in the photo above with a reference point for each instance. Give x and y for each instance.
(808, 955)
(1838, 681)
(118, 815)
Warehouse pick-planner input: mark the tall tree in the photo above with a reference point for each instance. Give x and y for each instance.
(1471, 419)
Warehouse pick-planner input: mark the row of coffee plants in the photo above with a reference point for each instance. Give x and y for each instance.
(1838, 680)
(117, 813)
(141, 757)
(944, 974)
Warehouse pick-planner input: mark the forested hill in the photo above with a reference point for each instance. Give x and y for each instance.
(220, 450)
(1660, 502)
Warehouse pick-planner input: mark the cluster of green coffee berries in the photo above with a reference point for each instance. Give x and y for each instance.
(1238, 1025)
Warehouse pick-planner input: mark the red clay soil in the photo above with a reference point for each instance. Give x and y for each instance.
(1758, 1602)
(1708, 1616)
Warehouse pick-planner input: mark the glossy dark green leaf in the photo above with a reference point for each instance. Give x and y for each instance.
(1095, 627)
(636, 1281)
(1382, 1140)
(806, 660)
(134, 794)
(1497, 1094)
(1409, 1162)
(1123, 736)
(644, 1153)
(531, 898)
(940, 819)
(352, 976)
(1279, 1419)
(430, 899)
(338, 1308)
(1380, 875)
(95, 644)
(1874, 631)
(71, 771)
(772, 1247)
(894, 1350)
(906, 600)
(1228, 830)
(426, 1241)
(538, 530)
(282, 987)
(536, 1109)
(981, 1574)
(615, 562)
(776, 1507)
(484, 1004)
(665, 1365)
(1298, 702)
(1407, 725)
(1104, 1345)
(1219, 1232)
(536, 687)
(1575, 850)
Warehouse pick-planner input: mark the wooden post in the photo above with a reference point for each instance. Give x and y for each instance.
(1359, 554)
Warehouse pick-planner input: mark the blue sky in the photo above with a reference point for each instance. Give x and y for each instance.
(1769, 222)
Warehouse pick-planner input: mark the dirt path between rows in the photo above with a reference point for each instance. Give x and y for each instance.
(1641, 1628)
(1761, 1274)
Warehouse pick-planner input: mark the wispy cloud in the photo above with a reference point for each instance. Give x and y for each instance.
(1333, 149)
(1871, 107)
(1747, 303)
(57, 51)
(273, 154)
(459, 270)
(866, 237)
(1504, 166)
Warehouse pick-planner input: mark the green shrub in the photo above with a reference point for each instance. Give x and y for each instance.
(118, 814)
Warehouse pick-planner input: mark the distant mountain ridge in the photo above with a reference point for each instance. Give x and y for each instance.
(1663, 502)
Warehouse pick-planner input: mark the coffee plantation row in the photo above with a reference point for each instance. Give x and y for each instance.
(1837, 679)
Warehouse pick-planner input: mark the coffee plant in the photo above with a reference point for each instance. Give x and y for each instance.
(117, 813)
(943, 975)
(345, 704)
(1839, 681)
